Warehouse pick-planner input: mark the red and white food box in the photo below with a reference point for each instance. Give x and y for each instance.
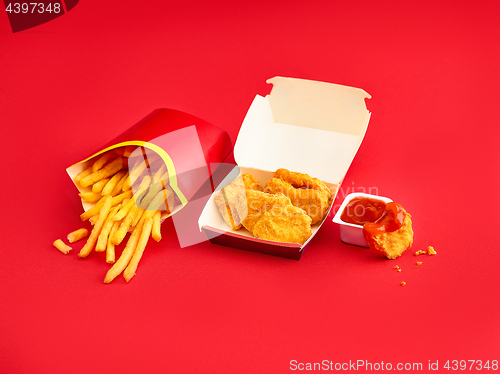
(304, 126)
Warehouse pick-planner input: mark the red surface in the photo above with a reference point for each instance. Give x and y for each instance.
(74, 83)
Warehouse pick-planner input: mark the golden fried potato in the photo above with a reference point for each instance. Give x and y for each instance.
(123, 229)
(108, 170)
(98, 186)
(98, 206)
(156, 230)
(126, 255)
(284, 224)
(128, 150)
(113, 181)
(102, 240)
(110, 246)
(90, 197)
(101, 161)
(96, 230)
(131, 268)
(119, 186)
(314, 202)
(83, 174)
(77, 235)
(59, 244)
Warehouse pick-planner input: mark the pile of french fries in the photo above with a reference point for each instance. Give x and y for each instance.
(130, 189)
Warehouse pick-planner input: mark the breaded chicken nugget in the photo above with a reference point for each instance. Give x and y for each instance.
(314, 202)
(258, 203)
(300, 180)
(251, 183)
(393, 243)
(232, 204)
(284, 224)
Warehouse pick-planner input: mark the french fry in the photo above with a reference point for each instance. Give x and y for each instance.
(125, 257)
(128, 150)
(156, 204)
(156, 230)
(94, 210)
(102, 240)
(119, 198)
(139, 250)
(98, 186)
(159, 173)
(137, 217)
(124, 210)
(90, 197)
(119, 186)
(83, 174)
(109, 187)
(136, 171)
(98, 206)
(119, 151)
(153, 191)
(123, 229)
(126, 207)
(59, 244)
(77, 235)
(101, 161)
(116, 194)
(93, 219)
(127, 185)
(87, 248)
(163, 200)
(110, 247)
(107, 171)
(155, 163)
(143, 186)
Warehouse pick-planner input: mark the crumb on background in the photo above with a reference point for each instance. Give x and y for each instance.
(431, 251)
(396, 267)
(403, 284)
(419, 263)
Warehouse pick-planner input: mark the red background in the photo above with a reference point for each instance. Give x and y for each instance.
(73, 84)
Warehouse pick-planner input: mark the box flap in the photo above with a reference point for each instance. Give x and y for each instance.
(305, 126)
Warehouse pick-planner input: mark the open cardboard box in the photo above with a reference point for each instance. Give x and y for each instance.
(305, 126)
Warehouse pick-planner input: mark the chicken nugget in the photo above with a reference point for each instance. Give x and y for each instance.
(284, 224)
(251, 183)
(300, 180)
(231, 202)
(314, 202)
(392, 243)
(258, 203)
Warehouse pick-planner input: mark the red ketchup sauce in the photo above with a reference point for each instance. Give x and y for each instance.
(361, 210)
(375, 216)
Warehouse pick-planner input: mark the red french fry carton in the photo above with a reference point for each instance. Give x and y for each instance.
(173, 151)
(304, 126)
